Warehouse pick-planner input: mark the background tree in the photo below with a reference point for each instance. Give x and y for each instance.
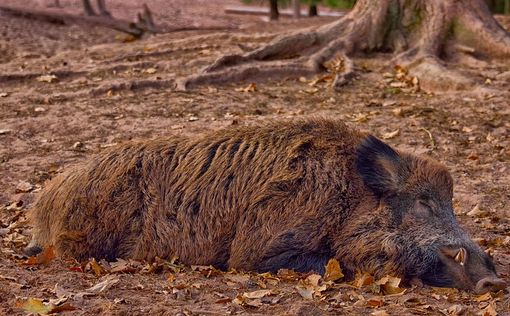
(422, 35)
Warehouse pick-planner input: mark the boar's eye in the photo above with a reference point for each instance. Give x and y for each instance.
(422, 207)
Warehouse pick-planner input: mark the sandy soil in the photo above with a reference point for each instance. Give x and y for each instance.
(106, 91)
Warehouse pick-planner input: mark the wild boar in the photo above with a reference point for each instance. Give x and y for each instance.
(280, 195)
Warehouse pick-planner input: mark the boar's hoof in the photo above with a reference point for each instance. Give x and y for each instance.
(489, 284)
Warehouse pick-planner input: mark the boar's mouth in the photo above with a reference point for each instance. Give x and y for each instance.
(468, 270)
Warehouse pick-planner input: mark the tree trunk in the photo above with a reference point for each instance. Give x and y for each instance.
(312, 10)
(101, 6)
(296, 9)
(87, 7)
(422, 34)
(273, 10)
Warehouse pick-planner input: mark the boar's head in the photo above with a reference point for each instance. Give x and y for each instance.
(417, 234)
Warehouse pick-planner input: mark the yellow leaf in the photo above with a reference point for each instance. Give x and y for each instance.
(333, 271)
(252, 87)
(34, 305)
(484, 297)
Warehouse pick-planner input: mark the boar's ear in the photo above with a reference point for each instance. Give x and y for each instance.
(379, 165)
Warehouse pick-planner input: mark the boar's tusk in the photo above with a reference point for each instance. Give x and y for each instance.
(461, 256)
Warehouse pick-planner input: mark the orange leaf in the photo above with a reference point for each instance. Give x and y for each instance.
(44, 257)
(333, 271)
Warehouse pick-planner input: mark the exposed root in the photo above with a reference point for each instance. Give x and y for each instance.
(252, 71)
(134, 85)
(421, 32)
(137, 29)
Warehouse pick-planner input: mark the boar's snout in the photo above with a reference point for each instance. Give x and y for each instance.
(470, 269)
(489, 284)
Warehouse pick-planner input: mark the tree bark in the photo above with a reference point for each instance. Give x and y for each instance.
(273, 10)
(87, 7)
(312, 10)
(423, 36)
(101, 6)
(296, 9)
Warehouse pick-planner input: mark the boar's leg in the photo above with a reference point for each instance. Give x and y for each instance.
(297, 249)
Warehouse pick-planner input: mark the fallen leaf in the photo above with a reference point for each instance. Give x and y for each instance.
(333, 271)
(390, 285)
(33, 305)
(305, 292)
(24, 187)
(375, 302)
(5, 131)
(456, 310)
(102, 286)
(391, 135)
(484, 297)
(151, 70)
(379, 313)
(47, 78)
(490, 310)
(257, 294)
(313, 279)
(4, 94)
(98, 270)
(37, 306)
(363, 280)
(44, 257)
(477, 211)
(252, 87)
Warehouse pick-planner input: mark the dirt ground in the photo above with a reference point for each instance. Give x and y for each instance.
(107, 91)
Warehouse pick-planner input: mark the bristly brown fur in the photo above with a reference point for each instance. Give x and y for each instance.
(280, 195)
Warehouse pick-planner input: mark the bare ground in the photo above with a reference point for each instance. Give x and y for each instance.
(106, 92)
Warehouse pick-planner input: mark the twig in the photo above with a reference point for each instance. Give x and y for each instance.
(432, 141)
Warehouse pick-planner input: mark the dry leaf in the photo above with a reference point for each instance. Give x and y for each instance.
(380, 313)
(47, 78)
(375, 302)
(363, 280)
(477, 212)
(33, 305)
(484, 297)
(391, 135)
(151, 70)
(3, 94)
(456, 310)
(252, 87)
(44, 257)
(306, 292)
(102, 286)
(313, 279)
(24, 187)
(5, 131)
(36, 306)
(257, 294)
(333, 271)
(490, 310)
(390, 285)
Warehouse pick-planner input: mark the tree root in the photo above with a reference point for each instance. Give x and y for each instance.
(145, 24)
(420, 32)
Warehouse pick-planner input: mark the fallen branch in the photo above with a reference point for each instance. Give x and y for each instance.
(137, 29)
